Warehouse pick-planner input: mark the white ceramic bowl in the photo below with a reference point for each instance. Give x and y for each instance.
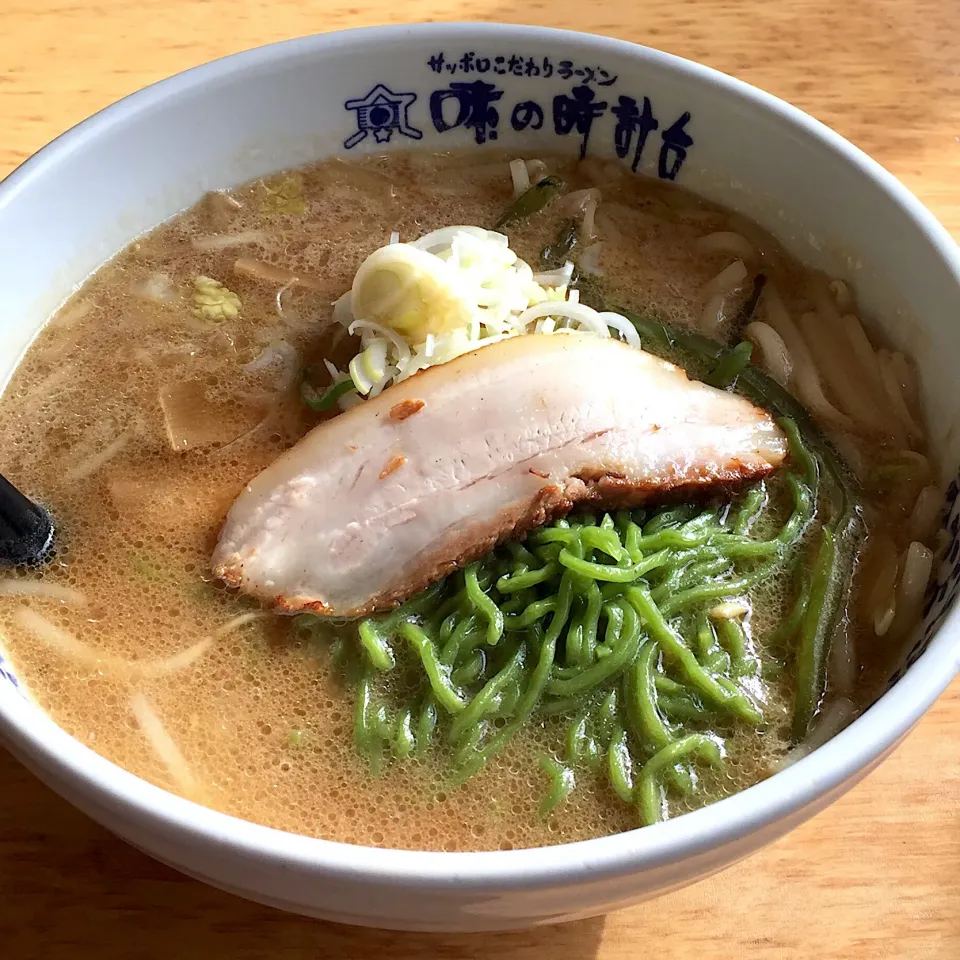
(137, 163)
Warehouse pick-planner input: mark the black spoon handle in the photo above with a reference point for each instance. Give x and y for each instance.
(26, 528)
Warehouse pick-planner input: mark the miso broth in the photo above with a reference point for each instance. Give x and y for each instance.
(142, 410)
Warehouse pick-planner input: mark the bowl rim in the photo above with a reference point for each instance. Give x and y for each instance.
(701, 832)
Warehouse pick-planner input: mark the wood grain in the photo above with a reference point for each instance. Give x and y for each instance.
(877, 875)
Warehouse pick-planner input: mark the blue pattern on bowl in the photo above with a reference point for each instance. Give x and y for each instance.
(7, 674)
(944, 586)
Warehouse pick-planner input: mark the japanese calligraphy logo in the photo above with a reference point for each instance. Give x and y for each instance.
(381, 112)
(475, 109)
(480, 102)
(577, 112)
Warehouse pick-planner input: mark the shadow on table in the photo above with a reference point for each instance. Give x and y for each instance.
(68, 888)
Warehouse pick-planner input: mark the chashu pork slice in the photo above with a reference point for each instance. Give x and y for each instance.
(377, 503)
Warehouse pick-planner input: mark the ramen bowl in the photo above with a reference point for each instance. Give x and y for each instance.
(477, 87)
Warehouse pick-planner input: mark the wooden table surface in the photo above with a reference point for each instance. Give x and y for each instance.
(878, 874)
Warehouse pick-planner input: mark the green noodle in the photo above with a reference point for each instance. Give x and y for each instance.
(605, 623)
(561, 783)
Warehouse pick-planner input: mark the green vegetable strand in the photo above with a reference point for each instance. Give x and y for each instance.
(530, 202)
(815, 628)
(326, 400)
(730, 365)
(554, 255)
